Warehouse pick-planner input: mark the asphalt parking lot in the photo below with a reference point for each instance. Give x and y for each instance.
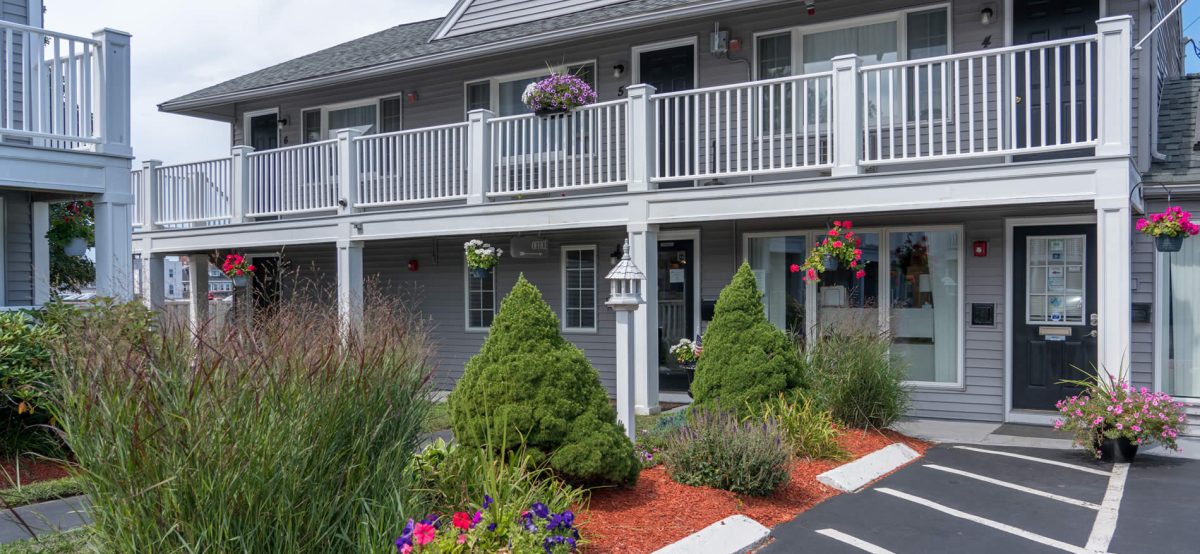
(977, 499)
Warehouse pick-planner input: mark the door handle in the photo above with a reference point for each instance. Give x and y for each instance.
(1094, 333)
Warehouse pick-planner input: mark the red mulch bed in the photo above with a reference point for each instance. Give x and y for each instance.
(659, 511)
(32, 470)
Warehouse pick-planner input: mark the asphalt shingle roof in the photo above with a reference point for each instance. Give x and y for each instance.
(1177, 140)
(410, 41)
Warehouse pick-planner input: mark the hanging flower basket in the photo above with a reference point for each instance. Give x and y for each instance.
(238, 269)
(77, 247)
(481, 257)
(1169, 228)
(839, 245)
(557, 94)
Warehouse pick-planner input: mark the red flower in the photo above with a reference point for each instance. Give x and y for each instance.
(838, 224)
(462, 520)
(249, 268)
(860, 274)
(794, 268)
(837, 244)
(845, 224)
(854, 263)
(833, 232)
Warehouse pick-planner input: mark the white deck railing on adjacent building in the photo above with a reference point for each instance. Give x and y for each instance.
(1028, 99)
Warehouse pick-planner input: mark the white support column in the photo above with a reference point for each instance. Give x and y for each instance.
(113, 85)
(41, 253)
(626, 381)
(347, 170)
(1113, 236)
(1114, 102)
(149, 195)
(198, 289)
(350, 284)
(643, 241)
(641, 137)
(847, 116)
(239, 201)
(114, 236)
(479, 151)
(153, 281)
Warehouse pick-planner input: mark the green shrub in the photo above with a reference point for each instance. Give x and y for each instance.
(857, 378)
(808, 430)
(280, 436)
(718, 450)
(529, 386)
(652, 439)
(746, 359)
(26, 380)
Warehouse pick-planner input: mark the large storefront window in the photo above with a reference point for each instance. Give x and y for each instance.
(923, 287)
(917, 271)
(1181, 373)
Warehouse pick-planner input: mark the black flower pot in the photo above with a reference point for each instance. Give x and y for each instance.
(1163, 243)
(550, 112)
(1118, 451)
(480, 272)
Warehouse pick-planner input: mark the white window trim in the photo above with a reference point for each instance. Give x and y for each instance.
(635, 56)
(467, 299)
(884, 293)
(595, 285)
(247, 116)
(494, 81)
(899, 17)
(358, 103)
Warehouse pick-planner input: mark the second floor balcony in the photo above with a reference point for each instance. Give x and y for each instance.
(1069, 97)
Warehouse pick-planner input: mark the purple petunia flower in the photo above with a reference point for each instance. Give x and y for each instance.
(405, 538)
(540, 510)
(487, 501)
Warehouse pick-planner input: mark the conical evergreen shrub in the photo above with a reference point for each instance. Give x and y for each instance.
(746, 359)
(530, 385)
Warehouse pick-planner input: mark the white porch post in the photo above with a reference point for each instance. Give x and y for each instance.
(153, 281)
(641, 137)
(1113, 96)
(198, 289)
(625, 282)
(347, 170)
(239, 190)
(479, 160)
(1113, 247)
(149, 195)
(113, 85)
(847, 116)
(41, 253)
(644, 250)
(114, 236)
(350, 284)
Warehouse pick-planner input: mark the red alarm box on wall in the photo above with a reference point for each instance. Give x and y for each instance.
(980, 249)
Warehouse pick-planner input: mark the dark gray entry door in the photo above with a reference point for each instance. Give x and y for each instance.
(1040, 21)
(1054, 299)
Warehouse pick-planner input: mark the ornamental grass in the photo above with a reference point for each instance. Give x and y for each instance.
(276, 435)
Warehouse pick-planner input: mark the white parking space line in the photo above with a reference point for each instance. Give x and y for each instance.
(854, 541)
(1106, 520)
(989, 523)
(1091, 470)
(1016, 487)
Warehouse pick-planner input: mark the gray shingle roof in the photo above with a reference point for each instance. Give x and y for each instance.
(410, 41)
(1177, 140)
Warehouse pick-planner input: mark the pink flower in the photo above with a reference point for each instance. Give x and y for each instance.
(406, 549)
(794, 268)
(462, 539)
(424, 533)
(837, 244)
(860, 274)
(838, 224)
(845, 224)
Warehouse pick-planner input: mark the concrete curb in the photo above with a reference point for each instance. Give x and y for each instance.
(735, 534)
(855, 475)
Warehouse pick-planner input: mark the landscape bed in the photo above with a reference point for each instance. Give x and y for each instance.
(659, 511)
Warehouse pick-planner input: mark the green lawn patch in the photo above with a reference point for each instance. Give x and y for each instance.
(74, 541)
(41, 491)
(438, 418)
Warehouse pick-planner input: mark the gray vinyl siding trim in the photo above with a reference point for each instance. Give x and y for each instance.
(18, 248)
(482, 15)
(16, 11)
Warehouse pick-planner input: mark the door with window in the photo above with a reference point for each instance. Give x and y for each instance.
(676, 308)
(264, 131)
(1054, 312)
(671, 69)
(1044, 105)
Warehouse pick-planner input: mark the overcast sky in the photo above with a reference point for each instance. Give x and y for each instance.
(181, 46)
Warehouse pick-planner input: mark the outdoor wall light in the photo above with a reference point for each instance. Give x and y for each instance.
(282, 122)
(618, 70)
(986, 15)
(810, 6)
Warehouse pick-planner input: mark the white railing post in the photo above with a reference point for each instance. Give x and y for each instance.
(479, 148)
(149, 195)
(112, 93)
(239, 183)
(347, 153)
(1114, 86)
(847, 116)
(640, 139)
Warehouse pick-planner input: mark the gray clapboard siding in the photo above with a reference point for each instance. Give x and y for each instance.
(481, 15)
(18, 249)
(16, 11)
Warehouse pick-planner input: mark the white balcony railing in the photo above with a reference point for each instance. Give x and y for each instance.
(1071, 94)
(62, 91)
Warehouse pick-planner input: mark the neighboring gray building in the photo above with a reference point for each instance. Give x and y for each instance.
(988, 154)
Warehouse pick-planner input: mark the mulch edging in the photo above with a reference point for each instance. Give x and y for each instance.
(32, 470)
(659, 511)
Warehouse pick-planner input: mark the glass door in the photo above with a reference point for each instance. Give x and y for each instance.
(676, 309)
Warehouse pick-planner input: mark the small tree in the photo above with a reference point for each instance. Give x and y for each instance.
(528, 385)
(746, 360)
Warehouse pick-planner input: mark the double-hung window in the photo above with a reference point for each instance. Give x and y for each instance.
(579, 288)
(376, 115)
(502, 94)
(481, 300)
